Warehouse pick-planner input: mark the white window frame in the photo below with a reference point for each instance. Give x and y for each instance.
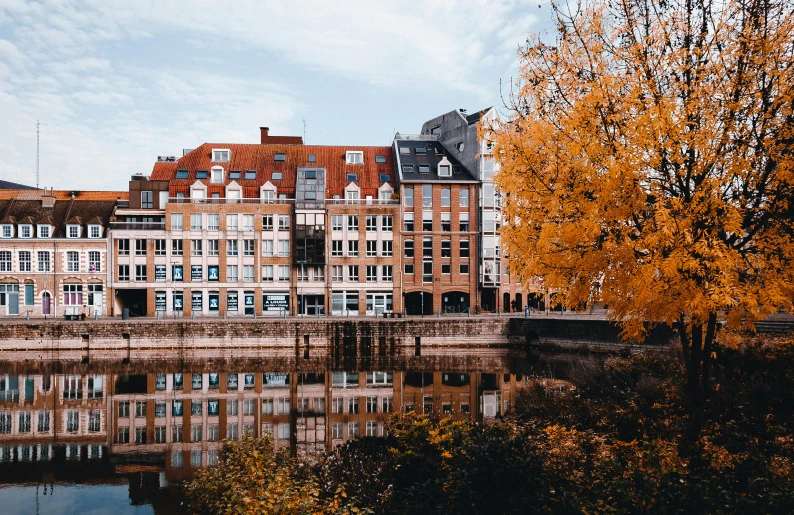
(25, 228)
(354, 157)
(94, 231)
(44, 230)
(6, 231)
(219, 157)
(217, 175)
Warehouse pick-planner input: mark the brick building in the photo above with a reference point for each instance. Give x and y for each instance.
(439, 227)
(53, 251)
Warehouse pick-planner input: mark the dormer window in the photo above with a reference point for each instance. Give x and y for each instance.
(72, 231)
(277, 176)
(6, 231)
(280, 157)
(380, 159)
(424, 168)
(234, 175)
(25, 231)
(444, 170)
(44, 231)
(384, 177)
(352, 177)
(354, 157)
(351, 195)
(406, 151)
(217, 175)
(221, 155)
(94, 231)
(201, 174)
(408, 168)
(420, 151)
(182, 174)
(250, 175)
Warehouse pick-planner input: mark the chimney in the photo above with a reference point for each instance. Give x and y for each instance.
(263, 134)
(266, 138)
(462, 111)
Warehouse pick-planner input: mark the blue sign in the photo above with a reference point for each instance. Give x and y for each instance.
(176, 272)
(212, 273)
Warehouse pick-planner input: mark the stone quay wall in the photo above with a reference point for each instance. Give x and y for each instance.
(335, 335)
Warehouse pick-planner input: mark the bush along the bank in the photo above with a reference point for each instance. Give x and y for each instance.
(612, 444)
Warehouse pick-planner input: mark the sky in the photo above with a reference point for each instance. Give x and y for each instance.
(117, 83)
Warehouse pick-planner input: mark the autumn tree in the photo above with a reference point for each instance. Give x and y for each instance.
(646, 164)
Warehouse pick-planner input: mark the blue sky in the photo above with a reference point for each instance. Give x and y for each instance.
(117, 83)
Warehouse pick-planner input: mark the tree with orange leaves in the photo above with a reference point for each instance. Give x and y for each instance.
(646, 164)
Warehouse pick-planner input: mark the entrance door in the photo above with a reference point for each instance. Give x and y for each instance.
(13, 303)
(45, 303)
(377, 303)
(95, 299)
(311, 305)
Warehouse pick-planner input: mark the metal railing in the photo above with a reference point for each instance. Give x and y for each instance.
(134, 226)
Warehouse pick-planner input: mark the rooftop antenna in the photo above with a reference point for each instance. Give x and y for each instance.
(304, 129)
(37, 153)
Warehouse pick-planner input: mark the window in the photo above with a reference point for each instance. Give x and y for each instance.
(283, 222)
(352, 429)
(176, 247)
(94, 263)
(408, 248)
(216, 176)
(336, 222)
(354, 158)
(72, 421)
(283, 406)
(319, 274)
(124, 273)
(248, 222)
(43, 259)
(280, 157)
(351, 194)
(25, 231)
(234, 175)
(196, 248)
(248, 247)
(445, 197)
(408, 222)
(427, 221)
(231, 273)
(446, 222)
(427, 195)
(248, 273)
(352, 273)
(24, 261)
(231, 222)
(283, 273)
(267, 406)
(212, 247)
(195, 222)
(336, 248)
(372, 273)
(444, 171)
(464, 249)
(159, 248)
(408, 168)
(427, 271)
(283, 248)
(124, 247)
(7, 231)
(352, 248)
(94, 231)
(146, 200)
(312, 158)
(72, 231)
(5, 261)
(140, 247)
(267, 273)
(336, 273)
(250, 175)
(424, 168)
(201, 174)
(44, 231)
(446, 249)
(464, 222)
(372, 248)
(372, 223)
(267, 222)
(427, 248)
(277, 176)
(386, 248)
(352, 222)
(387, 273)
(43, 425)
(213, 222)
(463, 197)
(140, 273)
(231, 247)
(221, 155)
(176, 221)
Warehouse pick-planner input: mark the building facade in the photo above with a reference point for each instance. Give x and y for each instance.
(53, 252)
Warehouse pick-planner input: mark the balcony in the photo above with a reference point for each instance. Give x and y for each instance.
(137, 226)
(226, 200)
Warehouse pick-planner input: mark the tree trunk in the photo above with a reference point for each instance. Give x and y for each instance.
(696, 344)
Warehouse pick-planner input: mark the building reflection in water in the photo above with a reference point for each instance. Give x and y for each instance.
(160, 426)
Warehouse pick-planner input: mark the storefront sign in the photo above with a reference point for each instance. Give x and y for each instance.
(275, 302)
(214, 302)
(196, 304)
(159, 272)
(178, 301)
(275, 379)
(159, 301)
(212, 273)
(231, 302)
(195, 273)
(176, 272)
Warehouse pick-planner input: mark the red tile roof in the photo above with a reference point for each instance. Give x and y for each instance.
(262, 159)
(63, 194)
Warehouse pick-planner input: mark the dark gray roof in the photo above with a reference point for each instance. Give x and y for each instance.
(474, 118)
(8, 185)
(81, 212)
(434, 152)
